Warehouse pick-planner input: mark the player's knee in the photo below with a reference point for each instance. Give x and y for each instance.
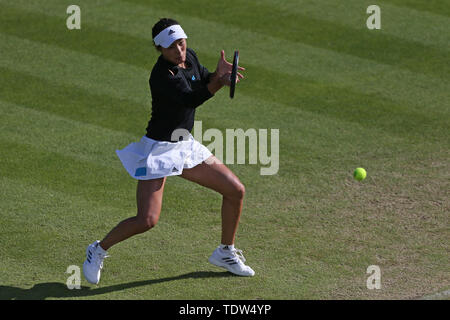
(238, 191)
(151, 222)
(148, 223)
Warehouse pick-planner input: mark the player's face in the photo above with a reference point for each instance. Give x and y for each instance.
(176, 53)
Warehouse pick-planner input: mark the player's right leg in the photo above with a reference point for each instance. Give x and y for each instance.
(149, 196)
(215, 175)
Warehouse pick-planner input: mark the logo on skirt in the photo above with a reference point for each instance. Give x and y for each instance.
(141, 172)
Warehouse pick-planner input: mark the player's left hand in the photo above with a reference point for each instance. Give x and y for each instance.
(224, 67)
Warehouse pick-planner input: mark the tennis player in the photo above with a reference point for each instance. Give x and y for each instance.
(178, 84)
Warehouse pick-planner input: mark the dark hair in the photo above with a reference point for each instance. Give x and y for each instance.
(161, 25)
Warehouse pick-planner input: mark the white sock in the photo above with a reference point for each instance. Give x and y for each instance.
(227, 246)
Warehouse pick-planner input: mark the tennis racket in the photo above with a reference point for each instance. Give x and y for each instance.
(234, 73)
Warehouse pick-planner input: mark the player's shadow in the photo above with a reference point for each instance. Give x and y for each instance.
(42, 291)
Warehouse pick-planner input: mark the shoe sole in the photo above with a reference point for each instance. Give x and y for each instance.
(218, 263)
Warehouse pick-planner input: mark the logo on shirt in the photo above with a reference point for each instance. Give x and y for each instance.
(193, 78)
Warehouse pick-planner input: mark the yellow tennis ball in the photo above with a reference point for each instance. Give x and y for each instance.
(359, 174)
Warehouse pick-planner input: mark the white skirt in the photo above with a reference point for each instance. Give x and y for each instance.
(152, 159)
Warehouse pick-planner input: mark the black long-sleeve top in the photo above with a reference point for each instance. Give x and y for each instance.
(175, 97)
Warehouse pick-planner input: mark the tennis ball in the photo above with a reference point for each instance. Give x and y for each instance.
(359, 174)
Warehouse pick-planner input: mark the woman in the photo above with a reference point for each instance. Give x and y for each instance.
(179, 84)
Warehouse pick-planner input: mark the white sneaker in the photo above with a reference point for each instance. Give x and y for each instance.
(93, 264)
(232, 260)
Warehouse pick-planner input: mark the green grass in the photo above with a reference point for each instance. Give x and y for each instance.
(341, 95)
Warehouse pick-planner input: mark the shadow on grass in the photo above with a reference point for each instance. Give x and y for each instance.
(42, 291)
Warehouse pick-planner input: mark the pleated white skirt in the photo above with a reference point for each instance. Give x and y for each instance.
(152, 159)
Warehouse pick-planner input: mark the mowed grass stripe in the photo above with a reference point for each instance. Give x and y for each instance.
(436, 6)
(53, 170)
(102, 43)
(348, 105)
(304, 135)
(34, 209)
(72, 138)
(322, 65)
(378, 47)
(331, 97)
(122, 117)
(418, 26)
(97, 75)
(63, 155)
(398, 18)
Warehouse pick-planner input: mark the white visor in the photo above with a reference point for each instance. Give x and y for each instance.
(166, 37)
